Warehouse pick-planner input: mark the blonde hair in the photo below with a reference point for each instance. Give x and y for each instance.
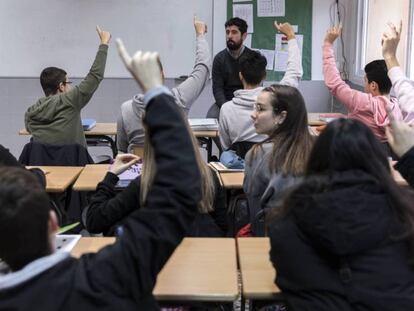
(150, 168)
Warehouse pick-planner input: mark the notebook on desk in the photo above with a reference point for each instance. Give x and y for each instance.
(88, 124)
(129, 175)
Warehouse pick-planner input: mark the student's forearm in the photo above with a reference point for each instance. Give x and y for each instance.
(391, 61)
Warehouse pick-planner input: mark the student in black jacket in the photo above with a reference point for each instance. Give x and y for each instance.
(120, 276)
(344, 239)
(109, 208)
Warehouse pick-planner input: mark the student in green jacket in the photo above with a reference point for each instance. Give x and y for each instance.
(55, 118)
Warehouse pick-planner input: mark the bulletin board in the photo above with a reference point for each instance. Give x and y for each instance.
(296, 12)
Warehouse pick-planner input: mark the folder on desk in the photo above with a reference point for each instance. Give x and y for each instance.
(129, 175)
(88, 124)
(204, 124)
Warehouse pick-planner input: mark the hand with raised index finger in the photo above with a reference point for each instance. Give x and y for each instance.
(389, 42)
(333, 33)
(286, 29)
(199, 26)
(104, 36)
(144, 67)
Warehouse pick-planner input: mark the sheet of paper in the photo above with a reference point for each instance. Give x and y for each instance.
(248, 41)
(241, 0)
(281, 51)
(270, 57)
(244, 11)
(270, 8)
(65, 243)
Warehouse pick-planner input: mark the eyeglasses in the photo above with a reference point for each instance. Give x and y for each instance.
(66, 82)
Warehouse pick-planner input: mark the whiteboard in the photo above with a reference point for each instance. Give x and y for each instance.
(40, 33)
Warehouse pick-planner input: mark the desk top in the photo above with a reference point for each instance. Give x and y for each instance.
(59, 178)
(200, 269)
(258, 274)
(91, 175)
(211, 133)
(107, 129)
(231, 180)
(313, 119)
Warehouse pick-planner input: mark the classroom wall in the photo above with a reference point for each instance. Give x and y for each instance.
(17, 94)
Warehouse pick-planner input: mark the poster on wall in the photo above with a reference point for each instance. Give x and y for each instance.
(244, 11)
(267, 8)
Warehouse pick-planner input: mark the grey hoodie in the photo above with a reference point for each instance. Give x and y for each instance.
(130, 130)
(236, 125)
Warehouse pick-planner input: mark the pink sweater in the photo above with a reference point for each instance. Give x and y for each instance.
(369, 109)
(404, 89)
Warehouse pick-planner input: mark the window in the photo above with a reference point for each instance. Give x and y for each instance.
(372, 18)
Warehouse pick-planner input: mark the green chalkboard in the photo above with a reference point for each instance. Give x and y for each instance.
(297, 12)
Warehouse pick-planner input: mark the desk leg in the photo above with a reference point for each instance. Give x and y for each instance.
(108, 139)
(209, 149)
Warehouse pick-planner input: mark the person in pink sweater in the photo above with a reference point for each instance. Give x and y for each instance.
(403, 87)
(370, 106)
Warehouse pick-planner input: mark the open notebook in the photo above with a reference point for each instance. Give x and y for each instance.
(65, 243)
(129, 175)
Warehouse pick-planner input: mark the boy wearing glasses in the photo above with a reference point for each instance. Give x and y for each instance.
(55, 118)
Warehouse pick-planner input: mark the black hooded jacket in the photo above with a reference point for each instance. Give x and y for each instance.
(337, 248)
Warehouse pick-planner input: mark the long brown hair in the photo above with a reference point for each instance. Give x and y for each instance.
(291, 140)
(149, 170)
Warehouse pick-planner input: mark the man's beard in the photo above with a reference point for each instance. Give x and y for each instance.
(233, 46)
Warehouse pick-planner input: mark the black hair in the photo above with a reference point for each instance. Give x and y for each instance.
(50, 78)
(348, 144)
(24, 216)
(253, 67)
(377, 71)
(238, 22)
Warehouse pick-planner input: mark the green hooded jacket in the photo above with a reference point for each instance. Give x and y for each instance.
(56, 119)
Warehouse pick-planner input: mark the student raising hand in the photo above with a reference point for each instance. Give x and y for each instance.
(333, 33)
(199, 26)
(286, 29)
(389, 43)
(400, 135)
(104, 36)
(144, 67)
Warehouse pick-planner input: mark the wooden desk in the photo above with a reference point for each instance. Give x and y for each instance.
(91, 175)
(258, 274)
(101, 131)
(232, 180)
(313, 119)
(200, 269)
(59, 178)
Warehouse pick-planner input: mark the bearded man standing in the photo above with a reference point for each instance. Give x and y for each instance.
(226, 69)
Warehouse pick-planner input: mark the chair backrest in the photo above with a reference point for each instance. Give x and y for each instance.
(137, 150)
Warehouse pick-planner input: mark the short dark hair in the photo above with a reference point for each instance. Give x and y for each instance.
(377, 71)
(24, 216)
(236, 21)
(253, 67)
(50, 78)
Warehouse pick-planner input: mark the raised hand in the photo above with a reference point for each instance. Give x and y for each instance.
(400, 135)
(199, 26)
(333, 33)
(286, 29)
(389, 43)
(144, 67)
(123, 162)
(104, 36)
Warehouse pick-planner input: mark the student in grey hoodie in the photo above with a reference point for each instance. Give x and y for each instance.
(130, 130)
(55, 119)
(236, 124)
